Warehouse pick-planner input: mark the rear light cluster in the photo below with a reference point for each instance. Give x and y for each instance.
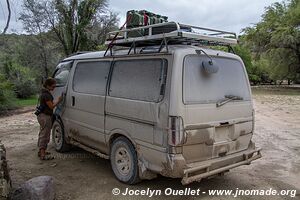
(175, 131)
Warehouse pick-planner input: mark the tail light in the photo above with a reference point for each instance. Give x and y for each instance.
(175, 131)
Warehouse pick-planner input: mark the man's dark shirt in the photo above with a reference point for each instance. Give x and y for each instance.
(44, 97)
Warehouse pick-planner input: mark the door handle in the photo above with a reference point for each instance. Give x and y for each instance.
(73, 101)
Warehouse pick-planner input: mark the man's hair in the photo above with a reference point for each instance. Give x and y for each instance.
(49, 82)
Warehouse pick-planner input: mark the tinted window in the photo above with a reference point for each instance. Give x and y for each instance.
(62, 73)
(199, 87)
(91, 77)
(139, 79)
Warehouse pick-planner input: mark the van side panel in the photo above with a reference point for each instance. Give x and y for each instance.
(136, 117)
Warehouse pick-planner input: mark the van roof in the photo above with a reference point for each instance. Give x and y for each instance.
(171, 49)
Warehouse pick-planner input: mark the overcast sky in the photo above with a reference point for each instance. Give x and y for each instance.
(230, 15)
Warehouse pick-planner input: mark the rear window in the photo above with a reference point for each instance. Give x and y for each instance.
(199, 87)
(139, 79)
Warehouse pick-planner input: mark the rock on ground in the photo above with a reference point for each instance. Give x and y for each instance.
(5, 183)
(38, 188)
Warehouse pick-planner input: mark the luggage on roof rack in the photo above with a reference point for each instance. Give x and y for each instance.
(169, 33)
(142, 18)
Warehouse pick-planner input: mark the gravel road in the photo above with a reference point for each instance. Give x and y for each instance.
(80, 175)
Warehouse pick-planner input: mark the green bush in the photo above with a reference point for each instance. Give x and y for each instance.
(7, 97)
(21, 78)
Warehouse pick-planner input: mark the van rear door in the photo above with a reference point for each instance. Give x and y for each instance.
(217, 108)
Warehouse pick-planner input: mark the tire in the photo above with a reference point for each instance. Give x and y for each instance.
(58, 137)
(123, 159)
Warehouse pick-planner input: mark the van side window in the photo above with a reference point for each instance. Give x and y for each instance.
(91, 77)
(62, 73)
(139, 79)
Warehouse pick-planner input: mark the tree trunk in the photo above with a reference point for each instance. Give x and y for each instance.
(8, 18)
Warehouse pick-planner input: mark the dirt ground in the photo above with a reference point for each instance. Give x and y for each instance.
(80, 175)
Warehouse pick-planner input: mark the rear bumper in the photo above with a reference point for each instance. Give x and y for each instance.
(200, 170)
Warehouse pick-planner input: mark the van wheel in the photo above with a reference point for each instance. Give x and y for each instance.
(58, 137)
(124, 161)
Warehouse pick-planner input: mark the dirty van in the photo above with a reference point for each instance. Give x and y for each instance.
(164, 103)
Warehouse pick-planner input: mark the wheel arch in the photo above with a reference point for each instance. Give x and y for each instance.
(57, 117)
(116, 133)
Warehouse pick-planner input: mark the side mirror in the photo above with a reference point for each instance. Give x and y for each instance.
(210, 67)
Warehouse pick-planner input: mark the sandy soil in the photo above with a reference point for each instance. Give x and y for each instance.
(80, 175)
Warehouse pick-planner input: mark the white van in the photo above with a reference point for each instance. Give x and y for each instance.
(158, 104)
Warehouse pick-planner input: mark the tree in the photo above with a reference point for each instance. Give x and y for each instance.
(245, 55)
(8, 18)
(33, 17)
(21, 62)
(21, 78)
(277, 37)
(6, 94)
(73, 22)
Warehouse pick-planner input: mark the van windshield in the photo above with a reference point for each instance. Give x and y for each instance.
(200, 87)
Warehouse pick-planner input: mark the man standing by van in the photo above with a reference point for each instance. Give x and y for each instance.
(44, 117)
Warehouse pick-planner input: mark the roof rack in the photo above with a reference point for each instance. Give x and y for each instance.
(168, 33)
